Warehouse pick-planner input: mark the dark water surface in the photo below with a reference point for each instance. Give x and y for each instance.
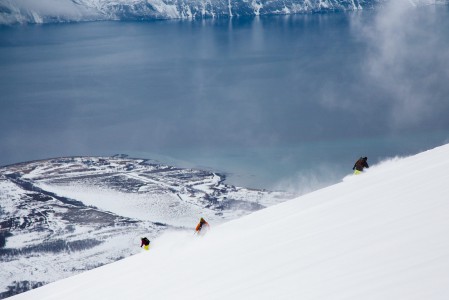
(275, 102)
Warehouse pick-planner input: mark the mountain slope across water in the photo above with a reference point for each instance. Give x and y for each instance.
(52, 11)
(48, 11)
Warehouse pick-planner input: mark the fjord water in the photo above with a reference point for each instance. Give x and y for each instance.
(275, 102)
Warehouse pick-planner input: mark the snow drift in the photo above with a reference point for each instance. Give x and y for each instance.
(380, 235)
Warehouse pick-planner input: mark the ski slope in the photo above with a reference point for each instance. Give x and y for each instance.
(380, 235)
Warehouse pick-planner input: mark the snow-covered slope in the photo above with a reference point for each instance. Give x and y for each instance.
(63, 216)
(380, 235)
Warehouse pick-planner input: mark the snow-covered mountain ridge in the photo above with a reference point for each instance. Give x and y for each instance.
(380, 235)
(49, 11)
(59, 217)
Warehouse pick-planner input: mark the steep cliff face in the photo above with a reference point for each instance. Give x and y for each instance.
(48, 11)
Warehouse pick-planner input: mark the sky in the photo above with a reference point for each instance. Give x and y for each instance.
(379, 235)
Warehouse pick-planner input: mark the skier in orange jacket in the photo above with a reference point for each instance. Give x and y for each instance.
(202, 227)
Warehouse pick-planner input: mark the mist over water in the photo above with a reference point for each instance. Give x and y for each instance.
(274, 102)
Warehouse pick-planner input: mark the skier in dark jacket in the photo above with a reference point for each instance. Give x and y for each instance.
(145, 243)
(360, 164)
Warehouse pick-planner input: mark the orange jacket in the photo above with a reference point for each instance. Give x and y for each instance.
(200, 225)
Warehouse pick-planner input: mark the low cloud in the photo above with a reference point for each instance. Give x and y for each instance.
(407, 60)
(307, 181)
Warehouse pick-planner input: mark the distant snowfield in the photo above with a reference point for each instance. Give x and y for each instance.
(380, 235)
(175, 208)
(138, 206)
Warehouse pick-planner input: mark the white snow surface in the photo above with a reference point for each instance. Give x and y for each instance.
(380, 235)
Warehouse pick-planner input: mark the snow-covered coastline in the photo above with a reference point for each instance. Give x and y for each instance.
(63, 216)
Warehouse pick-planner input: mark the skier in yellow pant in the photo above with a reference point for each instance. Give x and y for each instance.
(360, 164)
(145, 243)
